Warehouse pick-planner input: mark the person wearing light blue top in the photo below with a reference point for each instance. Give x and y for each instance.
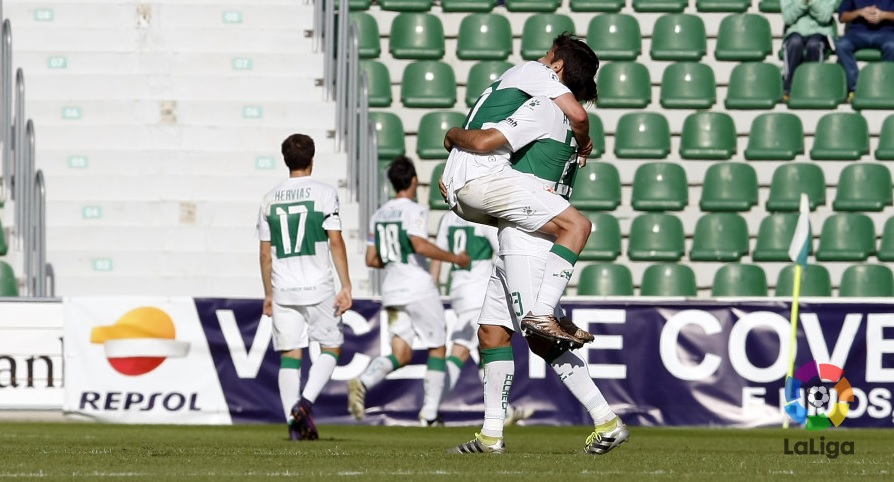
(809, 34)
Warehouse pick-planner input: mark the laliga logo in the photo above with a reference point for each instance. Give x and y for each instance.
(818, 395)
(139, 341)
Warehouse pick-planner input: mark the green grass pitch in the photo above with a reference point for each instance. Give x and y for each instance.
(86, 451)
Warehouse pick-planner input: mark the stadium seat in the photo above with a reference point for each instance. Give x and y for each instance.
(432, 128)
(769, 6)
(481, 75)
(389, 134)
(484, 36)
(429, 84)
(846, 237)
(474, 6)
(840, 136)
(532, 5)
(743, 37)
(656, 237)
(597, 6)
(615, 36)
(597, 188)
(886, 247)
(863, 186)
(708, 135)
(660, 186)
(774, 236)
(775, 136)
(668, 279)
(642, 135)
(435, 201)
(790, 180)
(867, 280)
(818, 85)
(597, 135)
(678, 36)
(885, 150)
(378, 83)
(406, 5)
(625, 85)
(737, 279)
(539, 31)
(688, 85)
(729, 186)
(604, 243)
(672, 6)
(9, 286)
(605, 279)
(868, 55)
(417, 36)
(356, 5)
(754, 85)
(736, 6)
(369, 46)
(873, 89)
(815, 281)
(719, 237)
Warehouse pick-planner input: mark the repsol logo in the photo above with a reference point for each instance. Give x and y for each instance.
(140, 402)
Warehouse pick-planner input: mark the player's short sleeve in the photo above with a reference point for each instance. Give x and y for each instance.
(540, 80)
(262, 228)
(415, 221)
(528, 123)
(443, 227)
(331, 220)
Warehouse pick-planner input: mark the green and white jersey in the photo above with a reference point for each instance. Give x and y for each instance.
(543, 143)
(406, 275)
(468, 285)
(295, 217)
(499, 101)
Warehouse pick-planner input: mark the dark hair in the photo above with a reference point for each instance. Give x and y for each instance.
(581, 64)
(298, 151)
(401, 173)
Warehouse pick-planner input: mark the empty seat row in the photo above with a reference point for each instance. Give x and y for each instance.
(553, 5)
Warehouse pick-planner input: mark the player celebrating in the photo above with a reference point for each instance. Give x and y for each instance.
(299, 227)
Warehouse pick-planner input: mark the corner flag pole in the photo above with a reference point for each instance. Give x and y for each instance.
(798, 251)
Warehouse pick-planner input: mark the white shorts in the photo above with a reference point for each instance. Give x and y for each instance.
(294, 326)
(465, 331)
(422, 319)
(514, 196)
(512, 291)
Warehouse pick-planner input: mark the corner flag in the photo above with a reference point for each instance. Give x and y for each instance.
(797, 251)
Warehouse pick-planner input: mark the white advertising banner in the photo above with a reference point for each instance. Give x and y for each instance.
(140, 360)
(31, 355)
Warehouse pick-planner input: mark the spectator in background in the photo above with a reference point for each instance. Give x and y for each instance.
(870, 25)
(808, 35)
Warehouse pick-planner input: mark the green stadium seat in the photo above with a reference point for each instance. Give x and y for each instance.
(743, 37)
(774, 236)
(597, 135)
(754, 85)
(729, 186)
(389, 134)
(378, 83)
(597, 188)
(605, 279)
(642, 135)
(885, 150)
(615, 36)
(369, 45)
(417, 36)
(356, 5)
(660, 186)
(476, 6)
(597, 6)
(775, 136)
(532, 5)
(435, 201)
(481, 75)
(668, 279)
(770, 6)
(625, 85)
(656, 237)
(737, 279)
(428, 83)
(846, 237)
(818, 85)
(484, 36)
(868, 55)
(9, 285)
(406, 5)
(874, 87)
(815, 281)
(863, 186)
(886, 247)
(432, 128)
(708, 135)
(840, 136)
(539, 31)
(604, 243)
(719, 237)
(688, 85)
(737, 6)
(864, 280)
(673, 6)
(790, 180)
(678, 36)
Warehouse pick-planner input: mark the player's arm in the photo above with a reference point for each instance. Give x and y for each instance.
(372, 257)
(480, 141)
(430, 250)
(580, 124)
(266, 258)
(343, 299)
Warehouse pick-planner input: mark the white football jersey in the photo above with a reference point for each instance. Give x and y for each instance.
(468, 285)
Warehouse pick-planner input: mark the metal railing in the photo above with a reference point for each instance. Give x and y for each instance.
(5, 111)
